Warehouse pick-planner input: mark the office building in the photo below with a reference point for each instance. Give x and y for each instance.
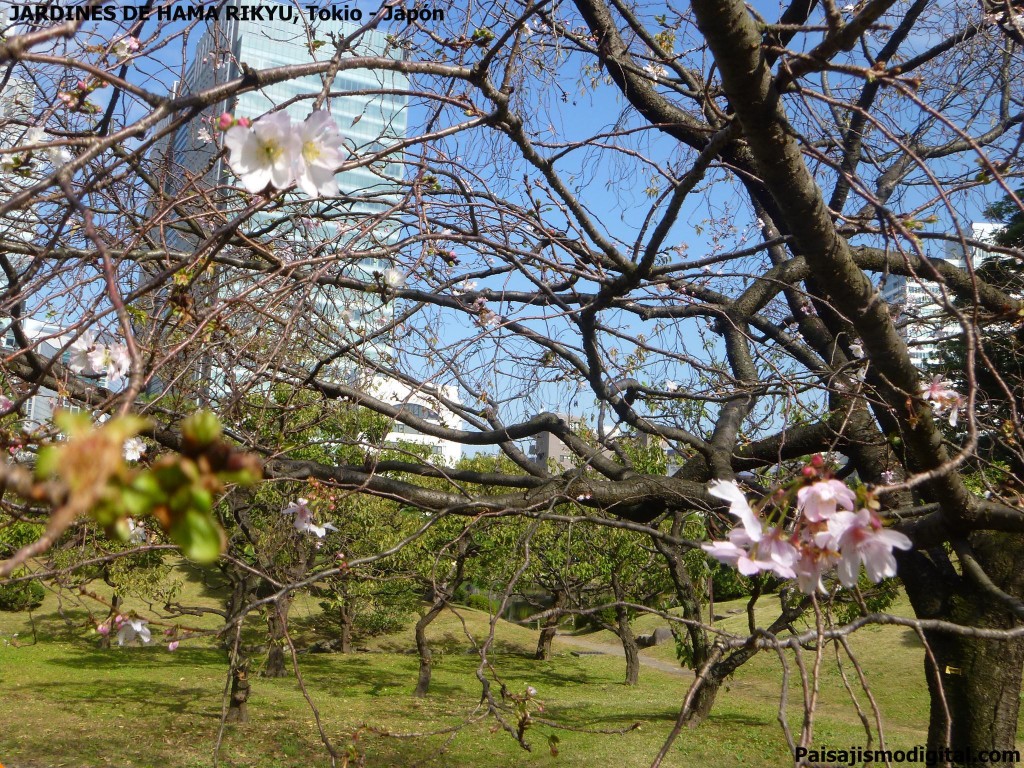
(423, 403)
(916, 302)
(370, 109)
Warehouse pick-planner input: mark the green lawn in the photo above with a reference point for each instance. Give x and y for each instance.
(67, 703)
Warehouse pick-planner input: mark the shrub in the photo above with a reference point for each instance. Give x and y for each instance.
(22, 595)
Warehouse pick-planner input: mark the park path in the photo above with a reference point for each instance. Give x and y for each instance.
(614, 649)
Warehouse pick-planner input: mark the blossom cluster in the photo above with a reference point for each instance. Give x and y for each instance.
(128, 629)
(304, 519)
(831, 530)
(90, 358)
(272, 151)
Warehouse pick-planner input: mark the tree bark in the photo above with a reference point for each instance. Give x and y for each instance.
(625, 633)
(276, 623)
(689, 598)
(347, 621)
(238, 702)
(547, 634)
(423, 647)
(443, 593)
(979, 679)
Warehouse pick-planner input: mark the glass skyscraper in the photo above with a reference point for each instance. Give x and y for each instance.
(370, 108)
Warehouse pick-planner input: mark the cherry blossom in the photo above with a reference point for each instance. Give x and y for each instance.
(126, 46)
(131, 629)
(862, 539)
(118, 361)
(265, 154)
(827, 533)
(319, 155)
(750, 549)
(133, 449)
(304, 519)
(6, 405)
(393, 278)
(172, 646)
(819, 501)
(86, 354)
(943, 398)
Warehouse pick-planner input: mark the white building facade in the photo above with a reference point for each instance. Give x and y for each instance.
(426, 404)
(916, 302)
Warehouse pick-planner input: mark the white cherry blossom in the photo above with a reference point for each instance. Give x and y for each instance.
(319, 155)
(118, 362)
(84, 354)
(264, 153)
(393, 278)
(132, 629)
(134, 448)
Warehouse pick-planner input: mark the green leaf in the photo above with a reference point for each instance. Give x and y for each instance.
(199, 537)
(47, 461)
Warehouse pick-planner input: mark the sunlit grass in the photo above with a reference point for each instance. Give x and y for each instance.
(66, 702)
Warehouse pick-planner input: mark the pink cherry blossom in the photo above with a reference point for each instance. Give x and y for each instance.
(303, 514)
(943, 398)
(811, 566)
(862, 539)
(172, 646)
(819, 501)
(752, 548)
(304, 519)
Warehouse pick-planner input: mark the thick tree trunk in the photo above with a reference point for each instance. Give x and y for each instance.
(277, 619)
(547, 634)
(238, 702)
(423, 648)
(979, 679)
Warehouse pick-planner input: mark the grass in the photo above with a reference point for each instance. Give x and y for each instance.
(68, 703)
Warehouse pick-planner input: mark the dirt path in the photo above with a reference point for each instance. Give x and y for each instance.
(614, 649)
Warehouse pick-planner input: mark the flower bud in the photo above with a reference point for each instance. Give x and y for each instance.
(201, 429)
